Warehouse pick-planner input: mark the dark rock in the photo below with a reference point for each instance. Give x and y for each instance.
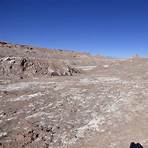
(135, 145)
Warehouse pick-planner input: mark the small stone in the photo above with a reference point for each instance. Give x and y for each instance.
(3, 134)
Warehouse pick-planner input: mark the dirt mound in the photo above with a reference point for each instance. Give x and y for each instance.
(19, 67)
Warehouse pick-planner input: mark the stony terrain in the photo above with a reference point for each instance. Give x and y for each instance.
(63, 99)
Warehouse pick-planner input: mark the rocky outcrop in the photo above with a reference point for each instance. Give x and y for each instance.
(2, 43)
(19, 67)
(135, 145)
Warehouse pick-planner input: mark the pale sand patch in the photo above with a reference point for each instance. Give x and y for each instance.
(24, 85)
(26, 97)
(39, 114)
(93, 124)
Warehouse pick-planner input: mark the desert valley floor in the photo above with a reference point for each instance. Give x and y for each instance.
(80, 102)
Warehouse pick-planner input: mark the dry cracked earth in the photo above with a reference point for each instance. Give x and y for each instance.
(104, 105)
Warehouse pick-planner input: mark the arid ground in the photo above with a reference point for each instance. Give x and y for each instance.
(52, 98)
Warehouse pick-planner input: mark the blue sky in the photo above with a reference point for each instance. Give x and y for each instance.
(117, 28)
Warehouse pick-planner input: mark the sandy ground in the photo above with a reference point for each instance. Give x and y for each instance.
(87, 111)
(103, 106)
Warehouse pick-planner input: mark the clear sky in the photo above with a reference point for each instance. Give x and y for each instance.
(116, 28)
